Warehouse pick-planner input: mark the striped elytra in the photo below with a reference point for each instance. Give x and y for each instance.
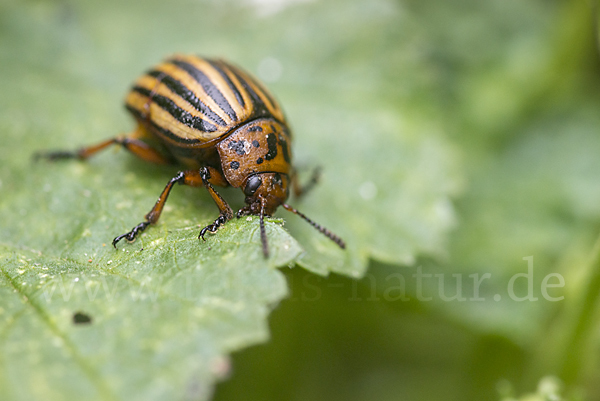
(190, 101)
(220, 124)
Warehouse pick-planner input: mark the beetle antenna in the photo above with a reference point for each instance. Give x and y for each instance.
(263, 233)
(319, 227)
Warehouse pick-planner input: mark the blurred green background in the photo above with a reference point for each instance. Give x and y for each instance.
(459, 140)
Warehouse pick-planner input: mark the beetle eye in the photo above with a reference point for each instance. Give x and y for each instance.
(252, 185)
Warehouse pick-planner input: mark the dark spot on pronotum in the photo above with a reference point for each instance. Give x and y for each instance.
(81, 318)
(255, 143)
(237, 146)
(234, 165)
(255, 128)
(272, 144)
(259, 160)
(273, 128)
(284, 149)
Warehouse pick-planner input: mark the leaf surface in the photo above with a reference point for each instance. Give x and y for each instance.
(165, 312)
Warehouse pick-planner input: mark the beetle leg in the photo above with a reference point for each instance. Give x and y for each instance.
(130, 142)
(245, 211)
(82, 153)
(208, 175)
(301, 190)
(188, 177)
(142, 150)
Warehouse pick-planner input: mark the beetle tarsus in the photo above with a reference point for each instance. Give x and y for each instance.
(222, 219)
(131, 235)
(245, 211)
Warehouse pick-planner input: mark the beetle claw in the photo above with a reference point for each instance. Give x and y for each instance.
(245, 211)
(212, 228)
(131, 235)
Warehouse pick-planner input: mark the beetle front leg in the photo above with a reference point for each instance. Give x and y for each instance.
(245, 211)
(208, 175)
(189, 177)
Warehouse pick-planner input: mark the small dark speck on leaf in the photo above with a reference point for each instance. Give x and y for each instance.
(81, 318)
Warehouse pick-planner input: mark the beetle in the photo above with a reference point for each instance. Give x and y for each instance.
(223, 126)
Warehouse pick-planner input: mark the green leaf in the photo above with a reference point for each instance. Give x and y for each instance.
(517, 85)
(166, 311)
(162, 319)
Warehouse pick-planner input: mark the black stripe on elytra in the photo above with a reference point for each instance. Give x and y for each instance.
(186, 94)
(209, 87)
(232, 87)
(177, 112)
(264, 91)
(260, 109)
(160, 129)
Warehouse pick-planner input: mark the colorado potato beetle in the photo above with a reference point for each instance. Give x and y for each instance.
(219, 123)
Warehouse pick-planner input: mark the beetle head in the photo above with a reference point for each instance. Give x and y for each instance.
(266, 191)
